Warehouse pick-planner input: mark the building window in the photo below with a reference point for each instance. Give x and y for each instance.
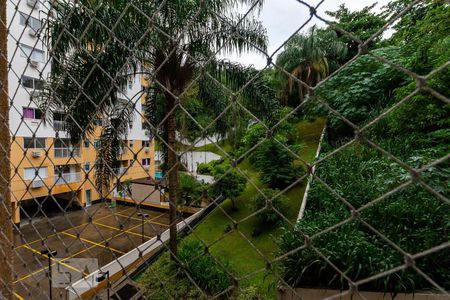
(32, 83)
(35, 173)
(145, 144)
(96, 144)
(27, 20)
(32, 53)
(87, 167)
(146, 161)
(86, 144)
(34, 143)
(32, 113)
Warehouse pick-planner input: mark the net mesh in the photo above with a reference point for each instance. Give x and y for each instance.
(144, 161)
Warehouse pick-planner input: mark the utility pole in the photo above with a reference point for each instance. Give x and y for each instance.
(6, 235)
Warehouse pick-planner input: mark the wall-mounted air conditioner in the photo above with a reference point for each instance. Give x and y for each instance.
(32, 32)
(33, 3)
(37, 183)
(36, 154)
(34, 63)
(146, 168)
(147, 149)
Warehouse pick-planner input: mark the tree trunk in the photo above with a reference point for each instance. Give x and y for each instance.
(6, 236)
(172, 168)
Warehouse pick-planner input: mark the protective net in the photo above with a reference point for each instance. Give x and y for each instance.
(143, 155)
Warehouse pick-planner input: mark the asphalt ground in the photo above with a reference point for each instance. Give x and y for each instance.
(107, 235)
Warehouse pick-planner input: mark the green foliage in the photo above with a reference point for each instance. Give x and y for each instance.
(209, 273)
(190, 190)
(416, 220)
(229, 183)
(308, 58)
(362, 90)
(277, 202)
(362, 24)
(276, 163)
(179, 287)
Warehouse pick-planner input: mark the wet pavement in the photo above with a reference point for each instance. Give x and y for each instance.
(96, 232)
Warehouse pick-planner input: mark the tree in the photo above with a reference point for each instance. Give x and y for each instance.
(361, 24)
(180, 36)
(276, 163)
(308, 59)
(277, 202)
(229, 183)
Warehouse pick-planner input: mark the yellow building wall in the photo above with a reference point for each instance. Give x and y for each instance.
(22, 158)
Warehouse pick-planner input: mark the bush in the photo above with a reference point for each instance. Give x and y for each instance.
(178, 287)
(190, 190)
(204, 269)
(276, 163)
(229, 183)
(269, 215)
(416, 220)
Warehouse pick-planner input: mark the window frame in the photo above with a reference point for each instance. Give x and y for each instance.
(35, 110)
(34, 142)
(30, 55)
(29, 21)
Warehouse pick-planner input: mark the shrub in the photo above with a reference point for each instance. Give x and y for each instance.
(204, 269)
(269, 215)
(178, 287)
(229, 183)
(276, 163)
(190, 190)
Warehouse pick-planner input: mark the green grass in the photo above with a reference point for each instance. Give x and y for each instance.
(239, 248)
(224, 145)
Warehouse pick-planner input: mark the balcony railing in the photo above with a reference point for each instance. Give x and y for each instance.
(59, 125)
(67, 178)
(67, 152)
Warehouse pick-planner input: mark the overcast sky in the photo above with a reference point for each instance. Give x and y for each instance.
(283, 17)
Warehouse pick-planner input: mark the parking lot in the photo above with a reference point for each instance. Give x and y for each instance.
(105, 236)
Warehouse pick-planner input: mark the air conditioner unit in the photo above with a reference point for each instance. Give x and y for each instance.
(37, 183)
(36, 154)
(33, 3)
(147, 149)
(32, 32)
(34, 63)
(146, 168)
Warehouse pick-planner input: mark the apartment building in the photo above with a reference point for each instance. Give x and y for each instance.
(43, 161)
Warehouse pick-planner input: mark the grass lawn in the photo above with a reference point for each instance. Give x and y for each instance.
(243, 255)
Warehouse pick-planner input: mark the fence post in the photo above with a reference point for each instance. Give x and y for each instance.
(6, 261)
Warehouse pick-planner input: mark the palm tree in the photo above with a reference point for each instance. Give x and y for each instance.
(97, 45)
(308, 58)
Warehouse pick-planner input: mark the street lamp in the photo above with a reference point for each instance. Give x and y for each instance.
(49, 254)
(102, 276)
(143, 217)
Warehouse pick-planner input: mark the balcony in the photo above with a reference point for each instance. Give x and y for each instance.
(67, 152)
(59, 125)
(66, 178)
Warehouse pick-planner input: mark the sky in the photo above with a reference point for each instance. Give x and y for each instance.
(282, 18)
